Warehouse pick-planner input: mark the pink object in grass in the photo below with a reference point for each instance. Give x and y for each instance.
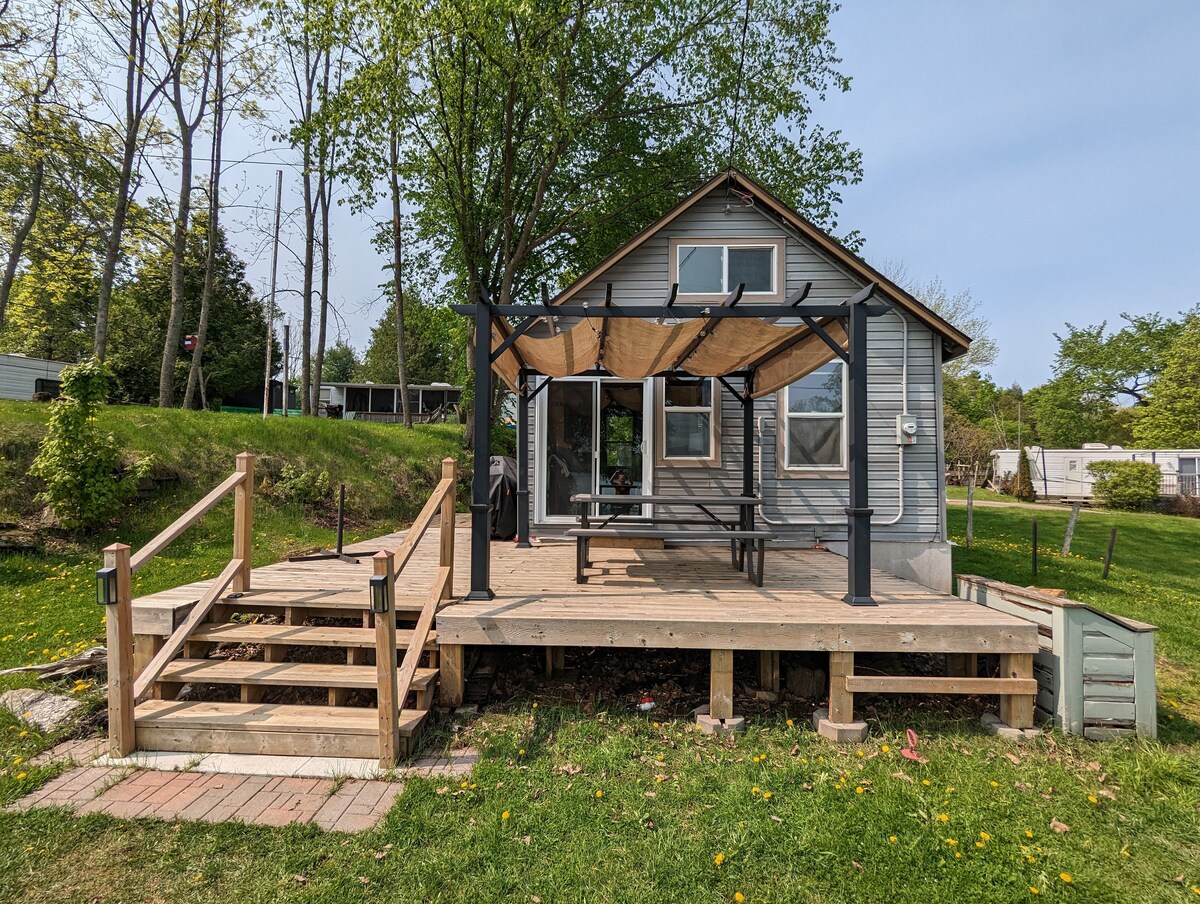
(910, 752)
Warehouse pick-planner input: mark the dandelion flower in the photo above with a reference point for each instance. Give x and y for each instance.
(17, 761)
(1033, 890)
(534, 706)
(504, 815)
(790, 724)
(984, 836)
(951, 842)
(892, 839)
(860, 753)
(756, 790)
(885, 748)
(21, 775)
(1125, 852)
(739, 897)
(958, 855)
(719, 859)
(944, 817)
(599, 793)
(521, 752)
(1028, 834)
(994, 784)
(925, 782)
(980, 844)
(23, 734)
(858, 790)
(464, 784)
(766, 795)
(1092, 799)
(1066, 877)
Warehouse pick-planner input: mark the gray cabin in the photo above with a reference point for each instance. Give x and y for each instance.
(681, 435)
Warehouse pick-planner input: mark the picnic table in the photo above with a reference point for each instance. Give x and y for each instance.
(746, 544)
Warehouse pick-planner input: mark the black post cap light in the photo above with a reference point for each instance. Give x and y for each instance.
(106, 586)
(379, 593)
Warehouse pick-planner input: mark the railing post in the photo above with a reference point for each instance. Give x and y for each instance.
(243, 522)
(383, 598)
(115, 591)
(446, 559)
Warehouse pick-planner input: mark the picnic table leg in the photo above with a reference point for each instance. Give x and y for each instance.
(580, 558)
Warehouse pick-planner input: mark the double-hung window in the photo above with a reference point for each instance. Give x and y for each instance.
(689, 419)
(704, 268)
(814, 421)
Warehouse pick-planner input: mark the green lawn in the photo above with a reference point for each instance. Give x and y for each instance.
(610, 806)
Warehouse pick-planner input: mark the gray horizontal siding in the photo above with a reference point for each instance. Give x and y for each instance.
(643, 277)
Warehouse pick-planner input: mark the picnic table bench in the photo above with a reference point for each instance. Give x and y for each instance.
(747, 545)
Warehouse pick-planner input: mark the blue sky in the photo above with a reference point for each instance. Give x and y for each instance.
(1042, 155)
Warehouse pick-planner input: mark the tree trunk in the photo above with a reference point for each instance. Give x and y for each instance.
(314, 405)
(166, 373)
(19, 237)
(195, 372)
(112, 248)
(398, 279)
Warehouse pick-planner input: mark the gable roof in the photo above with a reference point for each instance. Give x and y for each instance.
(954, 341)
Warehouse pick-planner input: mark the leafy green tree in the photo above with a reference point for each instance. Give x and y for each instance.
(1116, 365)
(1023, 487)
(434, 345)
(340, 364)
(235, 357)
(1171, 418)
(1069, 412)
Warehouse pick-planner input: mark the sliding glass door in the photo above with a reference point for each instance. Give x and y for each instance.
(591, 439)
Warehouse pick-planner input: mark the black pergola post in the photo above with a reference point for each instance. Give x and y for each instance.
(523, 403)
(481, 588)
(858, 515)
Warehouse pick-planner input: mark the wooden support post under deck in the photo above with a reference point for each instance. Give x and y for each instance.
(962, 665)
(1016, 710)
(556, 661)
(243, 522)
(768, 670)
(122, 737)
(386, 665)
(452, 674)
(720, 704)
(145, 646)
(841, 701)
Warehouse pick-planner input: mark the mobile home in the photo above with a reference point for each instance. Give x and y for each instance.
(22, 377)
(1064, 474)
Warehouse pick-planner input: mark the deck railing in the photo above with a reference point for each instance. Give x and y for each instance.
(114, 589)
(394, 682)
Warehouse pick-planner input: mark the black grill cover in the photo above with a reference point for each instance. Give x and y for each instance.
(503, 497)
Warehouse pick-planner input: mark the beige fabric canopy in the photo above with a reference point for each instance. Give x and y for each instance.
(633, 349)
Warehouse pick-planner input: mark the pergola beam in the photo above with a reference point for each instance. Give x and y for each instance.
(677, 312)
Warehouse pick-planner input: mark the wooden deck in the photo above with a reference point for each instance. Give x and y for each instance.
(692, 598)
(685, 598)
(660, 598)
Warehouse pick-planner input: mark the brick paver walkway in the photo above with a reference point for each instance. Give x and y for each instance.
(353, 805)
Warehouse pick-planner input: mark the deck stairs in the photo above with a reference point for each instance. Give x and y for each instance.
(298, 671)
(238, 668)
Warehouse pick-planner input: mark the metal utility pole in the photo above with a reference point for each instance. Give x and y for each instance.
(287, 346)
(271, 303)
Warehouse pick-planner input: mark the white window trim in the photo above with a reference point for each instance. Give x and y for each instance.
(777, 244)
(783, 434)
(713, 410)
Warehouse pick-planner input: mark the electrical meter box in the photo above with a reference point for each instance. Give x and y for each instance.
(906, 429)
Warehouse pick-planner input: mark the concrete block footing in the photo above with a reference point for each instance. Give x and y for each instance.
(992, 723)
(710, 726)
(839, 732)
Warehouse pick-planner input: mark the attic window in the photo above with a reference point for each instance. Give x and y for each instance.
(711, 268)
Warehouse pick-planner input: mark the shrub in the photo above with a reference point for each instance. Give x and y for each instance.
(1127, 485)
(80, 463)
(1184, 504)
(1023, 485)
(309, 488)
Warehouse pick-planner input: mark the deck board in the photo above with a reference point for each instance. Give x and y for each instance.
(684, 598)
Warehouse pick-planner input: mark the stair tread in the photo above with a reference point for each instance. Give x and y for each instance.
(279, 597)
(278, 717)
(301, 635)
(301, 674)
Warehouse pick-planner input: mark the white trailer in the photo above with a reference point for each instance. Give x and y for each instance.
(1064, 474)
(21, 377)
